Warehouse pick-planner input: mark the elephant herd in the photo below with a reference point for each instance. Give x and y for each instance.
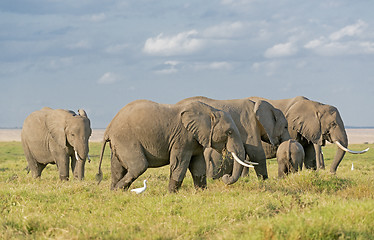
(210, 138)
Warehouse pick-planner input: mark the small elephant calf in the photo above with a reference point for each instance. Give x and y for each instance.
(290, 157)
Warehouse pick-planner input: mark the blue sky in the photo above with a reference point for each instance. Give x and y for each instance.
(101, 55)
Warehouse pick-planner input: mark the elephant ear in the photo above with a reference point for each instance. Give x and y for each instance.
(264, 114)
(197, 118)
(305, 119)
(56, 124)
(281, 120)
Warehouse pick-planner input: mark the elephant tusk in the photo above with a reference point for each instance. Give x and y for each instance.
(77, 156)
(89, 159)
(348, 150)
(241, 162)
(248, 162)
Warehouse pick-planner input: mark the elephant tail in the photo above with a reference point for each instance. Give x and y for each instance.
(99, 175)
(289, 150)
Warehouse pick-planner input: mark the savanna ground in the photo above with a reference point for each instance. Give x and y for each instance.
(307, 205)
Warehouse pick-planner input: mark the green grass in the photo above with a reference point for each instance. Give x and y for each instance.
(307, 205)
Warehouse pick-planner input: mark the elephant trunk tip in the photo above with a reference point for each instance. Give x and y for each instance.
(227, 179)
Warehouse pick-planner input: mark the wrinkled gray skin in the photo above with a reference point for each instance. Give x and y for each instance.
(146, 134)
(256, 121)
(290, 157)
(312, 124)
(53, 136)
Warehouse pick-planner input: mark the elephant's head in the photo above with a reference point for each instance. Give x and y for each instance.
(214, 128)
(318, 123)
(72, 131)
(273, 122)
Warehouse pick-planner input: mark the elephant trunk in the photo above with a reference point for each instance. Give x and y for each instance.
(340, 152)
(341, 137)
(79, 169)
(81, 154)
(238, 152)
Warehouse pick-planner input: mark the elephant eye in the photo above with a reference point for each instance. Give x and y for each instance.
(229, 132)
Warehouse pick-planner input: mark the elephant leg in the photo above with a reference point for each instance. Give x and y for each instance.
(179, 162)
(63, 168)
(136, 164)
(73, 164)
(35, 167)
(310, 157)
(245, 172)
(282, 169)
(221, 164)
(257, 154)
(319, 157)
(208, 162)
(117, 171)
(322, 160)
(197, 168)
(32, 164)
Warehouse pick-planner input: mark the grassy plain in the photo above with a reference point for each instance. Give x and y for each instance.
(307, 205)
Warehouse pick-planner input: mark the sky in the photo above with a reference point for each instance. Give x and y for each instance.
(101, 55)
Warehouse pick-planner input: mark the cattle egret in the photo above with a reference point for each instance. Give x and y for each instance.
(352, 167)
(140, 190)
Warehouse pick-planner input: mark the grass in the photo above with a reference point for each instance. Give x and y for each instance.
(307, 205)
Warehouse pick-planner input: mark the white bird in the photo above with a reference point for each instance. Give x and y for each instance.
(140, 190)
(352, 167)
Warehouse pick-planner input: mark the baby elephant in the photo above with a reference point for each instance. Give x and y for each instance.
(290, 157)
(54, 136)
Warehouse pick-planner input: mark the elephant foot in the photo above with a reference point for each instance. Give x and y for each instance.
(64, 178)
(262, 177)
(245, 172)
(174, 185)
(199, 181)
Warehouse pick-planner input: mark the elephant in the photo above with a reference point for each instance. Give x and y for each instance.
(55, 136)
(290, 157)
(256, 121)
(313, 123)
(145, 134)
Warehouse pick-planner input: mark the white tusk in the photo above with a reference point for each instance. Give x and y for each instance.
(348, 150)
(248, 162)
(240, 161)
(76, 156)
(89, 159)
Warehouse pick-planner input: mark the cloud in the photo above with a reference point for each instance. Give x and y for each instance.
(281, 50)
(214, 66)
(108, 78)
(225, 30)
(350, 30)
(169, 69)
(181, 44)
(336, 43)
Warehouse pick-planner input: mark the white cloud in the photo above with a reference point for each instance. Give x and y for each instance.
(315, 43)
(225, 30)
(335, 44)
(281, 50)
(108, 78)
(182, 43)
(350, 30)
(170, 68)
(214, 66)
